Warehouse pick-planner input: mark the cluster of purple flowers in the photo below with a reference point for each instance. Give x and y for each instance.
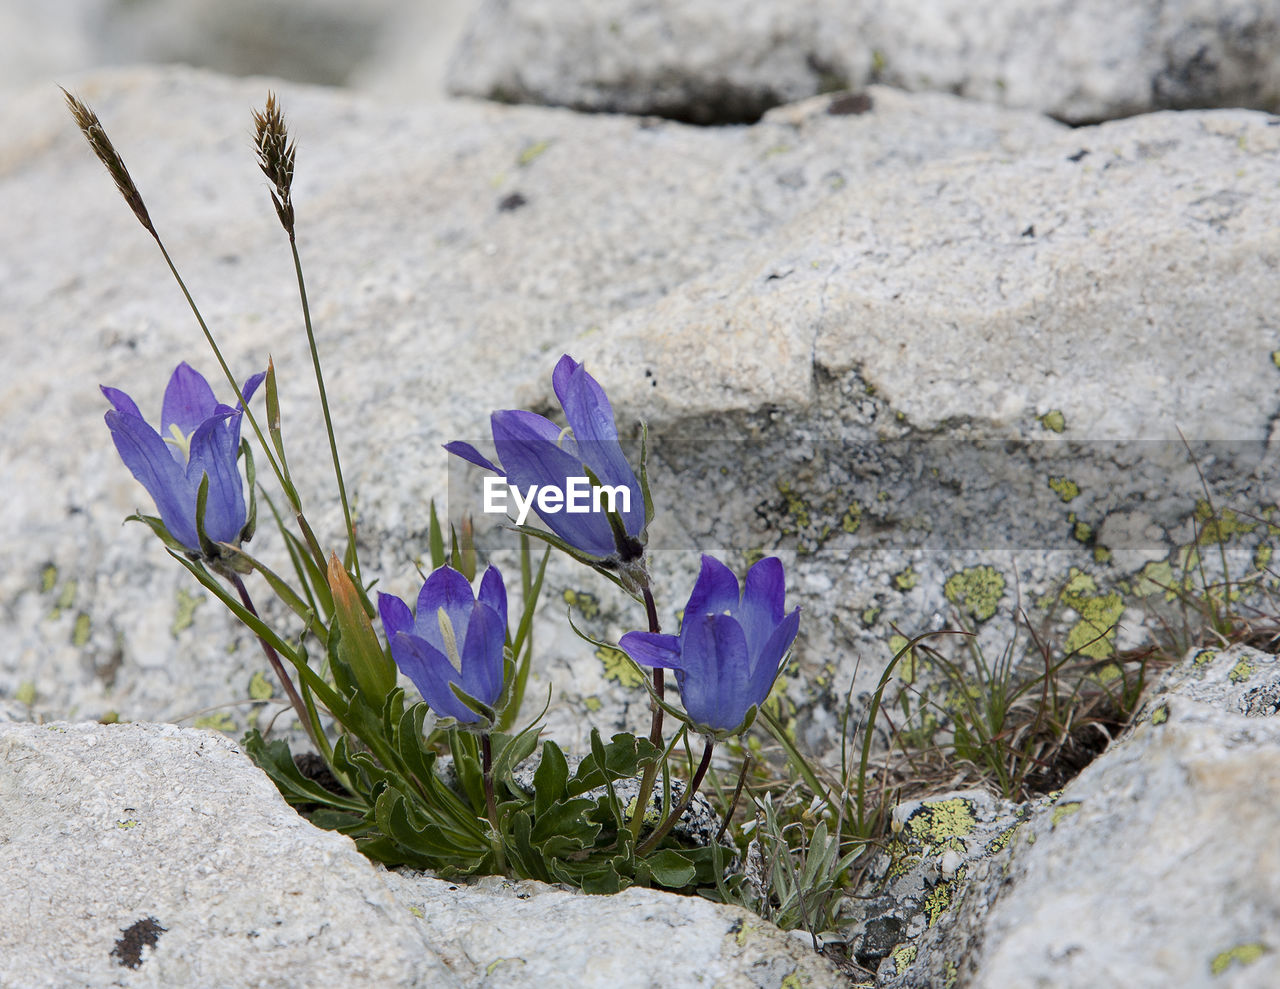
(453, 645)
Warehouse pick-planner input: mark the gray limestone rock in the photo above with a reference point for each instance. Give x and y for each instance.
(712, 61)
(151, 855)
(1156, 866)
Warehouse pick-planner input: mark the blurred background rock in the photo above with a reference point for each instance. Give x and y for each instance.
(378, 46)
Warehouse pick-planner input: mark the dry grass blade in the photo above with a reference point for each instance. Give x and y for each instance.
(96, 135)
(275, 157)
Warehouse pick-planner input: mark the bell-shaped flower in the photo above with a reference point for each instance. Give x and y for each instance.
(199, 437)
(730, 647)
(601, 512)
(453, 644)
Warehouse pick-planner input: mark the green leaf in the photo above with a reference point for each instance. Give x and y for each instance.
(274, 759)
(251, 476)
(435, 539)
(671, 868)
(550, 778)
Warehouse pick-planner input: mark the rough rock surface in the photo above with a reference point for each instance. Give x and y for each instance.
(715, 61)
(901, 326)
(150, 855)
(1156, 866)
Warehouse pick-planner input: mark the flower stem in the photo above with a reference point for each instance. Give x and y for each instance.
(285, 484)
(733, 803)
(665, 827)
(655, 725)
(491, 802)
(274, 659)
(324, 404)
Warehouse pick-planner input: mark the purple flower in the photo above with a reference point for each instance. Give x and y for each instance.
(455, 637)
(730, 645)
(199, 438)
(536, 453)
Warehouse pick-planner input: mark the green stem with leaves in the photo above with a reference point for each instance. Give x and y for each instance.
(665, 827)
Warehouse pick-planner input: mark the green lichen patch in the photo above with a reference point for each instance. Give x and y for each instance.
(1204, 657)
(1160, 715)
(934, 823)
(792, 981)
(941, 897)
(1241, 671)
(1064, 488)
(1101, 554)
(1062, 811)
(66, 598)
(1242, 955)
(619, 667)
(1053, 421)
(184, 611)
(851, 521)
(532, 152)
(592, 703)
(797, 507)
(950, 973)
(81, 630)
(906, 580)
(587, 604)
(1001, 841)
(222, 721)
(1262, 556)
(1221, 526)
(1082, 532)
(260, 688)
(903, 956)
(48, 578)
(869, 616)
(908, 667)
(417, 912)
(128, 825)
(976, 590)
(26, 693)
(1094, 634)
(1155, 578)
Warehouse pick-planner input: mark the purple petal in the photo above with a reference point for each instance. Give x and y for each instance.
(469, 453)
(188, 401)
(121, 401)
(213, 453)
(762, 602)
(483, 662)
(526, 445)
(587, 409)
(715, 685)
(148, 458)
(431, 672)
(715, 592)
(247, 391)
(447, 589)
(769, 659)
(493, 592)
(651, 649)
(396, 616)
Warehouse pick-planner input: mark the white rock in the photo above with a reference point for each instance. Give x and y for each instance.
(162, 857)
(713, 61)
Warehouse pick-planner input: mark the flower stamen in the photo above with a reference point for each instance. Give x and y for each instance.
(450, 639)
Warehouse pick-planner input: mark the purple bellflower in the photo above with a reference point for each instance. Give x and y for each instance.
(455, 638)
(199, 438)
(535, 452)
(730, 647)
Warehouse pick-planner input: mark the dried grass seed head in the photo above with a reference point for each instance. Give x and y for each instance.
(96, 135)
(275, 157)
